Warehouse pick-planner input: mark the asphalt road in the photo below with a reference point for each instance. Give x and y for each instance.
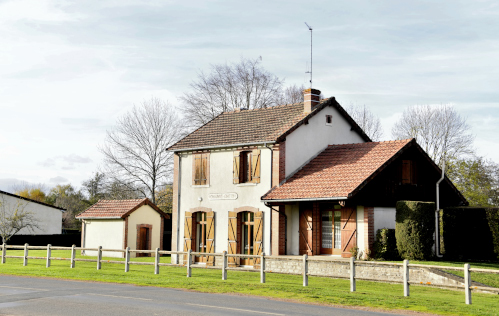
(34, 296)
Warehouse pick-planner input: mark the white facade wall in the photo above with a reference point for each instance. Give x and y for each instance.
(221, 181)
(384, 217)
(108, 233)
(308, 140)
(360, 229)
(293, 221)
(48, 219)
(144, 215)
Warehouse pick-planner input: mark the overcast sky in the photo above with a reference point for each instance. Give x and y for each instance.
(69, 69)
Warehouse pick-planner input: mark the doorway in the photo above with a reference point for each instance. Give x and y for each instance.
(331, 232)
(247, 236)
(143, 242)
(200, 235)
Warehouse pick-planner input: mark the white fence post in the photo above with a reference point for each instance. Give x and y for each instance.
(49, 253)
(99, 257)
(189, 263)
(127, 259)
(73, 255)
(353, 286)
(156, 262)
(305, 270)
(406, 277)
(25, 261)
(224, 265)
(4, 249)
(262, 268)
(467, 284)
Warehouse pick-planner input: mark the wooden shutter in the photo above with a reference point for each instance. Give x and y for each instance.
(232, 238)
(187, 233)
(210, 237)
(258, 235)
(204, 169)
(255, 166)
(406, 172)
(348, 231)
(305, 232)
(235, 168)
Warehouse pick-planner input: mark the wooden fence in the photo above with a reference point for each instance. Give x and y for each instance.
(190, 255)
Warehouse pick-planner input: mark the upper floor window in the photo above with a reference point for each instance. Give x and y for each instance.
(246, 166)
(329, 120)
(201, 169)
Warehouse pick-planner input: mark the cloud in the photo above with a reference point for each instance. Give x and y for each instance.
(68, 161)
(33, 10)
(58, 180)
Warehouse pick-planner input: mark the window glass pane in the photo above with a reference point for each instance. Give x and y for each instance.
(250, 237)
(337, 229)
(252, 217)
(245, 239)
(327, 229)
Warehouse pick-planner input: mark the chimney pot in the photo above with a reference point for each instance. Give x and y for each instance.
(311, 98)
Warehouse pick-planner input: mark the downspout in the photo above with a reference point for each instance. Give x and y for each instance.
(437, 226)
(178, 204)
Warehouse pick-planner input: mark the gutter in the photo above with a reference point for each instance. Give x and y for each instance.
(224, 146)
(437, 226)
(337, 198)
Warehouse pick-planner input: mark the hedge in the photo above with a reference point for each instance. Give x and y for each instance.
(470, 233)
(385, 246)
(414, 229)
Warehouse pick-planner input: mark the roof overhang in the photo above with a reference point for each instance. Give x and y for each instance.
(222, 146)
(333, 198)
(106, 217)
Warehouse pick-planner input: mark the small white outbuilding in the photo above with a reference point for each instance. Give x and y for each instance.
(117, 224)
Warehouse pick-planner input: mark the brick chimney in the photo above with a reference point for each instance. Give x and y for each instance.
(311, 99)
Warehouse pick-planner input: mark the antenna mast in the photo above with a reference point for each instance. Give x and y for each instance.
(310, 28)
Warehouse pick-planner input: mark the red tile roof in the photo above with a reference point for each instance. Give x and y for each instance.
(116, 208)
(256, 126)
(337, 171)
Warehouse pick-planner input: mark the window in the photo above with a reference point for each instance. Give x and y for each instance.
(407, 177)
(329, 120)
(201, 169)
(246, 167)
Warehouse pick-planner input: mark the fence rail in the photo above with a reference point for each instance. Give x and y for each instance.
(190, 256)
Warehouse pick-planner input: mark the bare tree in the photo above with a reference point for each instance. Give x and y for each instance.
(227, 87)
(292, 94)
(367, 120)
(440, 131)
(135, 152)
(14, 217)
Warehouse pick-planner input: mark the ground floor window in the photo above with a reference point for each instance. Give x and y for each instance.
(245, 236)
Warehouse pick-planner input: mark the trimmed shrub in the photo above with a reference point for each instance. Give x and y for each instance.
(466, 233)
(414, 229)
(385, 246)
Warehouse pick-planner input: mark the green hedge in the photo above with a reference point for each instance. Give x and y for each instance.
(470, 233)
(385, 246)
(414, 229)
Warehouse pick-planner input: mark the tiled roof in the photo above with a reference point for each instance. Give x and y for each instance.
(255, 126)
(116, 208)
(337, 171)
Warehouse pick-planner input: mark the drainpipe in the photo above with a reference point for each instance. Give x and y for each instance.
(437, 226)
(178, 203)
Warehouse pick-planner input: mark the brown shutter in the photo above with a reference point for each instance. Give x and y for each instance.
(406, 172)
(235, 169)
(258, 242)
(204, 169)
(232, 238)
(255, 166)
(210, 237)
(348, 231)
(305, 232)
(187, 233)
(196, 166)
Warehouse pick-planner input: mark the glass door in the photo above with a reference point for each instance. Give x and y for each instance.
(200, 235)
(247, 236)
(331, 232)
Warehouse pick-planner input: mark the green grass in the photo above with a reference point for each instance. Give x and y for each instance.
(320, 290)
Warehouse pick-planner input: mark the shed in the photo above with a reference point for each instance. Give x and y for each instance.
(117, 224)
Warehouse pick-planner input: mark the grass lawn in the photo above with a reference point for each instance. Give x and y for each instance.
(320, 290)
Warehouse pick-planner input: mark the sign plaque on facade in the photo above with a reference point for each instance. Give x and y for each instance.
(222, 196)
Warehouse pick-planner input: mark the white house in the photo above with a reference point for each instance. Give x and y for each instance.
(117, 224)
(48, 218)
(292, 179)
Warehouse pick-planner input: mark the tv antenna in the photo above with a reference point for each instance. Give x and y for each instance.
(310, 72)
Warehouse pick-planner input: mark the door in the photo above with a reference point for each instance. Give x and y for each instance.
(306, 232)
(201, 235)
(348, 231)
(143, 241)
(331, 232)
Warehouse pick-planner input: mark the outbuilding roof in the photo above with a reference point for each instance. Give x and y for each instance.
(338, 171)
(117, 208)
(32, 201)
(256, 126)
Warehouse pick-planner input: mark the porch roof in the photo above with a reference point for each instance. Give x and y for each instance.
(337, 172)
